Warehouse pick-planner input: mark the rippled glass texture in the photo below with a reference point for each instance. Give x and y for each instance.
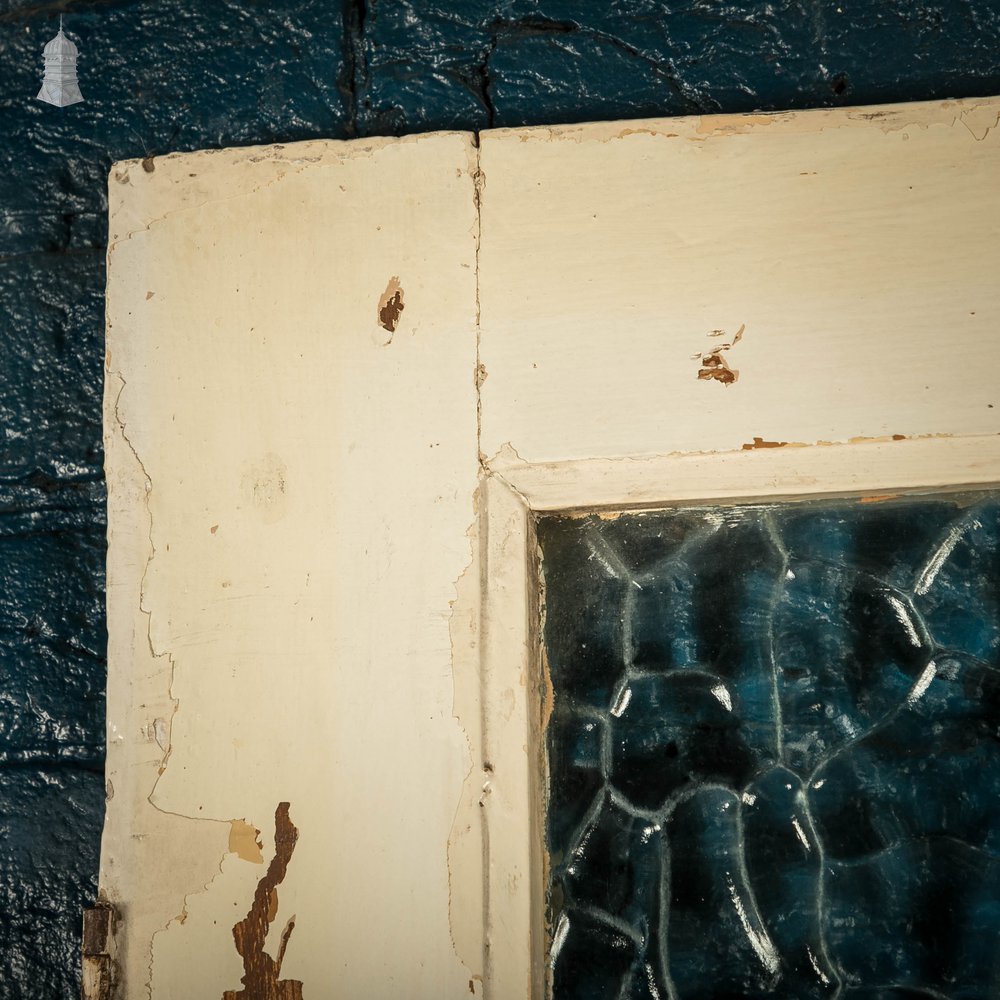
(774, 750)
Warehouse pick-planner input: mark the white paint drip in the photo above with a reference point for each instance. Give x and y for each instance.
(759, 941)
(904, 619)
(923, 683)
(722, 696)
(622, 703)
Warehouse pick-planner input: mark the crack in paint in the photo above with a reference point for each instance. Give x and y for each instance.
(166, 726)
(478, 186)
(163, 728)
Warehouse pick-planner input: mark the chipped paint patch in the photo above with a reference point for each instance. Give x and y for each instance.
(714, 366)
(978, 118)
(738, 124)
(244, 840)
(260, 971)
(391, 305)
(761, 443)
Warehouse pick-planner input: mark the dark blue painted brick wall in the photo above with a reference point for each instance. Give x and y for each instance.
(170, 75)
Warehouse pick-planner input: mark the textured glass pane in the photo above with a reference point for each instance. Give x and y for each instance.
(774, 750)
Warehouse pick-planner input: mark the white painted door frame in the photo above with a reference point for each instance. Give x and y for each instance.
(342, 377)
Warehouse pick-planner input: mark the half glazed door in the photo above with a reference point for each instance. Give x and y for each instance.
(379, 412)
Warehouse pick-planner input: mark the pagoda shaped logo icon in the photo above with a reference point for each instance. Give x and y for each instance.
(59, 85)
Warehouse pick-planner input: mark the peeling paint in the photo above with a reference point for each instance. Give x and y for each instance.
(195, 793)
(761, 443)
(978, 119)
(244, 840)
(391, 305)
(646, 131)
(161, 726)
(260, 976)
(159, 694)
(465, 841)
(714, 366)
(738, 124)
(822, 443)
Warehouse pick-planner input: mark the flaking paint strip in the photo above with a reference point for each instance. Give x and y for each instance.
(164, 733)
(261, 973)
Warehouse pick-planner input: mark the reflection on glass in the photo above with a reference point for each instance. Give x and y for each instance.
(774, 752)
